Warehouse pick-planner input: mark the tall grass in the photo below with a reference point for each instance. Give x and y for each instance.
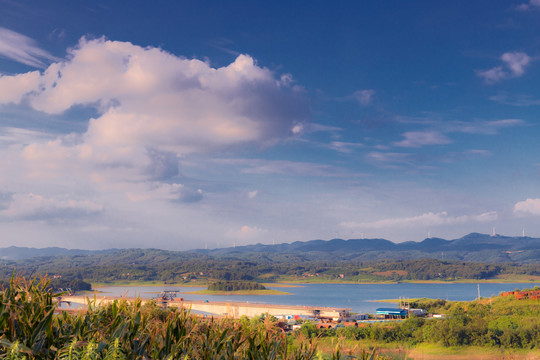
(32, 327)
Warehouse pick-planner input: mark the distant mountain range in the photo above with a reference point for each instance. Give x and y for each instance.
(472, 247)
(21, 253)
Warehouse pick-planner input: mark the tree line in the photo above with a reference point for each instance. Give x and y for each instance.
(174, 267)
(235, 286)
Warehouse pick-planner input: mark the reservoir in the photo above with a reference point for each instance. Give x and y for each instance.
(359, 297)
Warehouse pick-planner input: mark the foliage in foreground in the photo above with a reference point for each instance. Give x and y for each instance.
(31, 329)
(501, 322)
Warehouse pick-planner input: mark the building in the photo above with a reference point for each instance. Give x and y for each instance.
(391, 313)
(418, 312)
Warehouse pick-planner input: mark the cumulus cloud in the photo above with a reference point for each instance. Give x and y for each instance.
(22, 49)
(36, 207)
(152, 108)
(528, 207)
(427, 219)
(252, 194)
(421, 138)
(147, 97)
(162, 165)
(514, 64)
(13, 88)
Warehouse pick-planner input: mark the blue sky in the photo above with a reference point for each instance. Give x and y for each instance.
(181, 125)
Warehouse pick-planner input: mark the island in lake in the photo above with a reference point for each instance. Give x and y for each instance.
(238, 288)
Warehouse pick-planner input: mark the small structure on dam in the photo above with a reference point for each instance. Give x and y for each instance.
(238, 309)
(228, 309)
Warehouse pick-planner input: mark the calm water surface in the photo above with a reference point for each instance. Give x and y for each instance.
(358, 297)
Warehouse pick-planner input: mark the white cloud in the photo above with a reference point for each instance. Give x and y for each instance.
(389, 159)
(152, 113)
(13, 88)
(314, 127)
(422, 138)
(344, 147)
(529, 5)
(36, 207)
(464, 155)
(423, 160)
(437, 135)
(22, 49)
(297, 129)
(13, 135)
(427, 219)
(147, 97)
(493, 75)
(515, 100)
(171, 192)
(528, 207)
(514, 64)
(364, 97)
(285, 167)
(152, 108)
(490, 127)
(246, 232)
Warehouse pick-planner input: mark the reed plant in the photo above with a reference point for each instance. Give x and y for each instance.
(32, 327)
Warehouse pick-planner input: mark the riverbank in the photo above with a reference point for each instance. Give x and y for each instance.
(281, 285)
(501, 279)
(295, 282)
(147, 283)
(238, 292)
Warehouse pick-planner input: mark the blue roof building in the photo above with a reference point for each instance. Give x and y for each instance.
(391, 313)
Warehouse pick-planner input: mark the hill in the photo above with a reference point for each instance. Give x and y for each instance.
(20, 253)
(336, 260)
(472, 247)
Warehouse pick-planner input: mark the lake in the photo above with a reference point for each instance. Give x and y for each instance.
(358, 297)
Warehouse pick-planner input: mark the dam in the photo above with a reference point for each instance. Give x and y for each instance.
(224, 308)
